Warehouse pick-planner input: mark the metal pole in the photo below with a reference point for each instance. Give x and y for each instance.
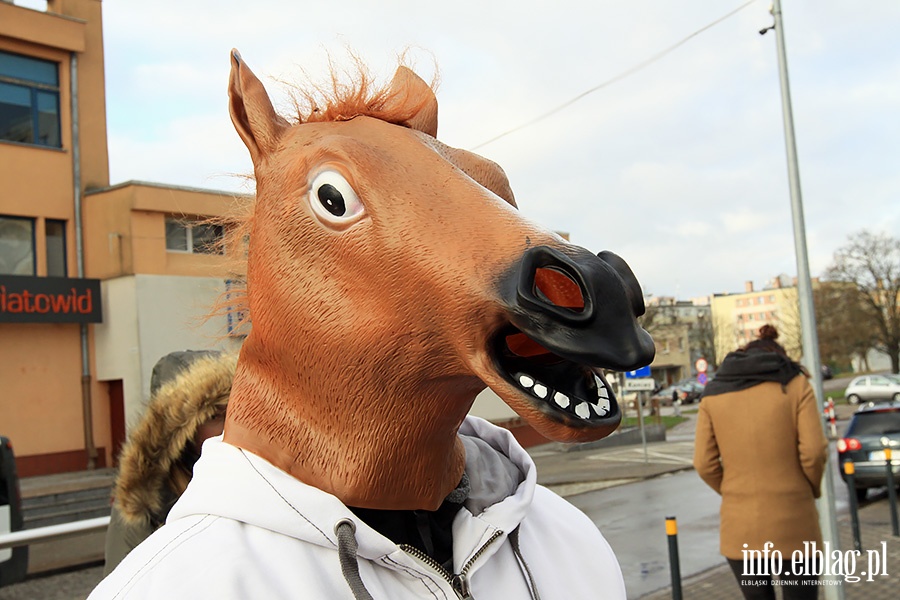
(674, 561)
(86, 402)
(52, 532)
(825, 504)
(640, 396)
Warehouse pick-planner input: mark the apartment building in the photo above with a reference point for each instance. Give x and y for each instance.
(737, 317)
(97, 282)
(682, 332)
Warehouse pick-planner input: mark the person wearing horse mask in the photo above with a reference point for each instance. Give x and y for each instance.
(390, 278)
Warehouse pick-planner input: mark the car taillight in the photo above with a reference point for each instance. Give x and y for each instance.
(848, 444)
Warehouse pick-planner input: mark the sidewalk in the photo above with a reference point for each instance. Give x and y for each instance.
(875, 534)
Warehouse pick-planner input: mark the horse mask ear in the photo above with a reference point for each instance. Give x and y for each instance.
(410, 93)
(251, 110)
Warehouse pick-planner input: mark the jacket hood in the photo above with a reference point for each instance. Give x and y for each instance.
(502, 479)
(176, 410)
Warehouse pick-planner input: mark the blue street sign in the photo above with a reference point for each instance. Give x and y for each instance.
(642, 372)
(702, 379)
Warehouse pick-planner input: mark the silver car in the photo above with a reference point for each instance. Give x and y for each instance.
(873, 387)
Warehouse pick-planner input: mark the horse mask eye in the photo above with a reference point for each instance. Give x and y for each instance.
(333, 200)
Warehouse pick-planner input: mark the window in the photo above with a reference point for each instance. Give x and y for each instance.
(195, 238)
(56, 248)
(29, 100)
(16, 246)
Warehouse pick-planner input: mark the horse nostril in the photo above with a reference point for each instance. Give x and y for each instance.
(552, 284)
(557, 288)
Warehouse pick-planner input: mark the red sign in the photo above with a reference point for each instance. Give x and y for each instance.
(49, 300)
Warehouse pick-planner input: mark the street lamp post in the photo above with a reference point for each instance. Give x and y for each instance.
(825, 504)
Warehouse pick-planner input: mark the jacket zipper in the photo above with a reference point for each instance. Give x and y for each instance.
(458, 581)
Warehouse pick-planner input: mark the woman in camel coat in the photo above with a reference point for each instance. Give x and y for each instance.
(760, 444)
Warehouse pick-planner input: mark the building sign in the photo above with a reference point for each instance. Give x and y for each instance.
(49, 300)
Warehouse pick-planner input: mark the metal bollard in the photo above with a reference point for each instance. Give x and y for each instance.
(674, 564)
(849, 470)
(892, 491)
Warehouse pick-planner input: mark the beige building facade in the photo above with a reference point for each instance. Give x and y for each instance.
(97, 282)
(737, 317)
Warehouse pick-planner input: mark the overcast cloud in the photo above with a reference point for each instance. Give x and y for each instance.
(679, 167)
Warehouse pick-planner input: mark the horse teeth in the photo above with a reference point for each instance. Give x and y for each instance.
(526, 381)
(603, 392)
(561, 400)
(602, 407)
(540, 390)
(582, 410)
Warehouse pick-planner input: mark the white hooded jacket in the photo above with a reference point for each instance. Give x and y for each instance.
(245, 529)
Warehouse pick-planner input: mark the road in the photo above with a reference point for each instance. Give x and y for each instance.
(632, 518)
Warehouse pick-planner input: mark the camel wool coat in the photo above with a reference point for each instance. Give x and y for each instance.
(763, 450)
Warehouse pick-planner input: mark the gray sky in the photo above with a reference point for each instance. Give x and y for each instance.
(679, 167)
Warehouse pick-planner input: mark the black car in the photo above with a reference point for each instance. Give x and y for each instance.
(874, 427)
(13, 562)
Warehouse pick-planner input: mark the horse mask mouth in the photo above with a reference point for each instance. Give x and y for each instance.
(571, 314)
(574, 394)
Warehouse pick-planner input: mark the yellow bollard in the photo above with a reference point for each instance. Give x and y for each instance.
(674, 563)
(849, 470)
(892, 488)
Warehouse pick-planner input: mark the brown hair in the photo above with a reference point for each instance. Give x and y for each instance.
(766, 341)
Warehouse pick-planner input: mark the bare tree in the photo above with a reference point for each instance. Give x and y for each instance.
(787, 321)
(840, 309)
(703, 339)
(726, 334)
(871, 261)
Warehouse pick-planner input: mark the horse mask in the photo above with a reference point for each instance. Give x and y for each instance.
(390, 278)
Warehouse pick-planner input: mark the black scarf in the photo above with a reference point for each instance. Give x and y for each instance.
(743, 369)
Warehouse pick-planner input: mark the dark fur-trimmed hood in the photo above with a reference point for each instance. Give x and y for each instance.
(149, 462)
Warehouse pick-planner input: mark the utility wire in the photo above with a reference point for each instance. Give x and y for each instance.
(618, 77)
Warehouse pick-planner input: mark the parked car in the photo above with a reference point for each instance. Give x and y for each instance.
(692, 390)
(869, 388)
(14, 561)
(827, 373)
(874, 427)
(688, 391)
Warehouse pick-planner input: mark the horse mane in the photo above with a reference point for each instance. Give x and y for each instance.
(352, 92)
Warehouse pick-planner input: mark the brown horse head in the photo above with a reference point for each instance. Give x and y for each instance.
(390, 278)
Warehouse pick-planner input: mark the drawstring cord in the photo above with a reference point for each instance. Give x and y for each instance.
(514, 542)
(345, 529)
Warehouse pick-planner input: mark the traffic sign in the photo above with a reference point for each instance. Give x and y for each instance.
(638, 374)
(701, 365)
(702, 378)
(644, 384)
